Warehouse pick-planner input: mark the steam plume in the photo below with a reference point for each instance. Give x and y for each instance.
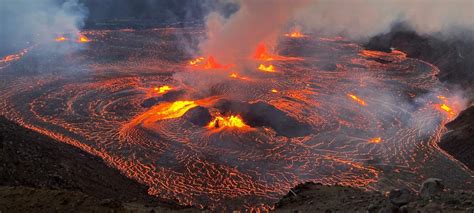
(361, 19)
(256, 21)
(24, 21)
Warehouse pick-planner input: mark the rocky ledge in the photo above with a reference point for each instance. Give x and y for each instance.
(431, 197)
(39, 174)
(459, 140)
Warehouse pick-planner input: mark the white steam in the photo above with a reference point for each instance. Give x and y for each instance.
(258, 21)
(24, 21)
(361, 19)
(255, 22)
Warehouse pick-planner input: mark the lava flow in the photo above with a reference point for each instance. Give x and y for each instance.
(14, 57)
(268, 68)
(193, 132)
(445, 106)
(296, 35)
(375, 140)
(61, 38)
(357, 99)
(162, 89)
(261, 53)
(227, 122)
(209, 63)
(83, 39)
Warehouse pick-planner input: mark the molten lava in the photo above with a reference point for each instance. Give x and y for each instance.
(268, 68)
(83, 39)
(295, 34)
(14, 57)
(176, 109)
(274, 91)
(447, 109)
(210, 63)
(394, 55)
(262, 54)
(237, 76)
(357, 99)
(162, 89)
(375, 140)
(233, 121)
(196, 61)
(60, 39)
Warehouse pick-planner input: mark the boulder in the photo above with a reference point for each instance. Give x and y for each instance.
(431, 187)
(199, 116)
(400, 197)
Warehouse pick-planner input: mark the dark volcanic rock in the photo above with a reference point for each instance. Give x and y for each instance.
(400, 197)
(263, 114)
(327, 66)
(170, 96)
(199, 116)
(459, 140)
(34, 160)
(431, 187)
(312, 197)
(453, 55)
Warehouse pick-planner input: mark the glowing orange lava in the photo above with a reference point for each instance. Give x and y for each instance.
(176, 109)
(375, 140)
(394, 55)
(445, 106)
(261, 53)
(447, 109)
(60, 39)
(268, 68)
(83, 39)
(14, 57)
(162, 89)
(196, 61)
(357, 99)
(295, 35)
(237, 76)
(233, 121)
(274, 91)
(209, 63)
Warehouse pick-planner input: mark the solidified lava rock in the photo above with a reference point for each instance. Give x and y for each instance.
(263, 114)
(328, 66)
(459, 140)
(199, 116)
(431, 187)
(454, 56)
(169, 96)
